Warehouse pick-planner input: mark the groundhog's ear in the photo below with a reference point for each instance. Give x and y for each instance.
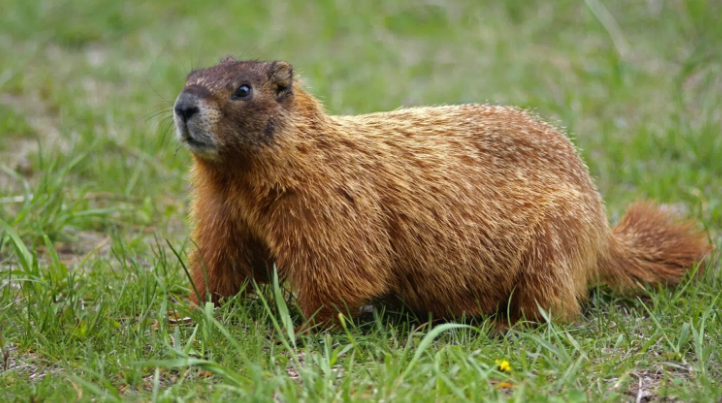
(280, 74)
(228, 59)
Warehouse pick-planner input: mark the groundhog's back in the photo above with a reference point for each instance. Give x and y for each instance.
(465, 192)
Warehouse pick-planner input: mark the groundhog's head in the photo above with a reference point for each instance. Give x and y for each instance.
(233, 106)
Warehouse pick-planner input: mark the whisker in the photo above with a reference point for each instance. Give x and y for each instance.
(156, 92)
(165, 130)
(154, 114)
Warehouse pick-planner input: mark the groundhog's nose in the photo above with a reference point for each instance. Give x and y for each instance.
(186, 107)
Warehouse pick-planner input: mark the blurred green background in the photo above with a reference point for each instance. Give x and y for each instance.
(637, 84)
(90, 169)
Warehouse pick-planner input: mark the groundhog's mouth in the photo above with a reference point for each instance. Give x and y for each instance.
(194, 142)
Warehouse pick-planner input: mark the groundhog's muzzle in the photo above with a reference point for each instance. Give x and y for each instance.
(192, 123)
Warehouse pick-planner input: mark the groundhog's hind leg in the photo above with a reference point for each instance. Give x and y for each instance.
(553, 277)
(539, 290)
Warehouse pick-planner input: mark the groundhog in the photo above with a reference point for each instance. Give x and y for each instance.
(468, 210)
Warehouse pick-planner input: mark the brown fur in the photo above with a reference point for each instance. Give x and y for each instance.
(469, 209)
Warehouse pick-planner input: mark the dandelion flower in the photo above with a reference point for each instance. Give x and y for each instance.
(503, 365)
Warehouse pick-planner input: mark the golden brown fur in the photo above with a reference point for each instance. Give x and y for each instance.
(469, 209)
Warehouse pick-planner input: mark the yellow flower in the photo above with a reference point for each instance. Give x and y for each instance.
(503, 365)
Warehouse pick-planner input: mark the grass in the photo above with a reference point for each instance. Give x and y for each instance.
(93, 196)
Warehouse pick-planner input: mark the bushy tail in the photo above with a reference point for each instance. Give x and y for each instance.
(648, 246)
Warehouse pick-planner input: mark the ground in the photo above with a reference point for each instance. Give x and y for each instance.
(94, 197)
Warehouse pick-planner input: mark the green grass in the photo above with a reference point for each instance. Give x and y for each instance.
(93, 195)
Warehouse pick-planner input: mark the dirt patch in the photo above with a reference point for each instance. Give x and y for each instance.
(17, 154)
(85, 244)
(23, 364)
(645, 385)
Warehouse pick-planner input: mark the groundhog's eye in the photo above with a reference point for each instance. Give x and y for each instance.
(243, 92)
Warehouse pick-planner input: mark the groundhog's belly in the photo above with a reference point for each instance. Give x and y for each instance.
(459, 246)
(452, 256)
